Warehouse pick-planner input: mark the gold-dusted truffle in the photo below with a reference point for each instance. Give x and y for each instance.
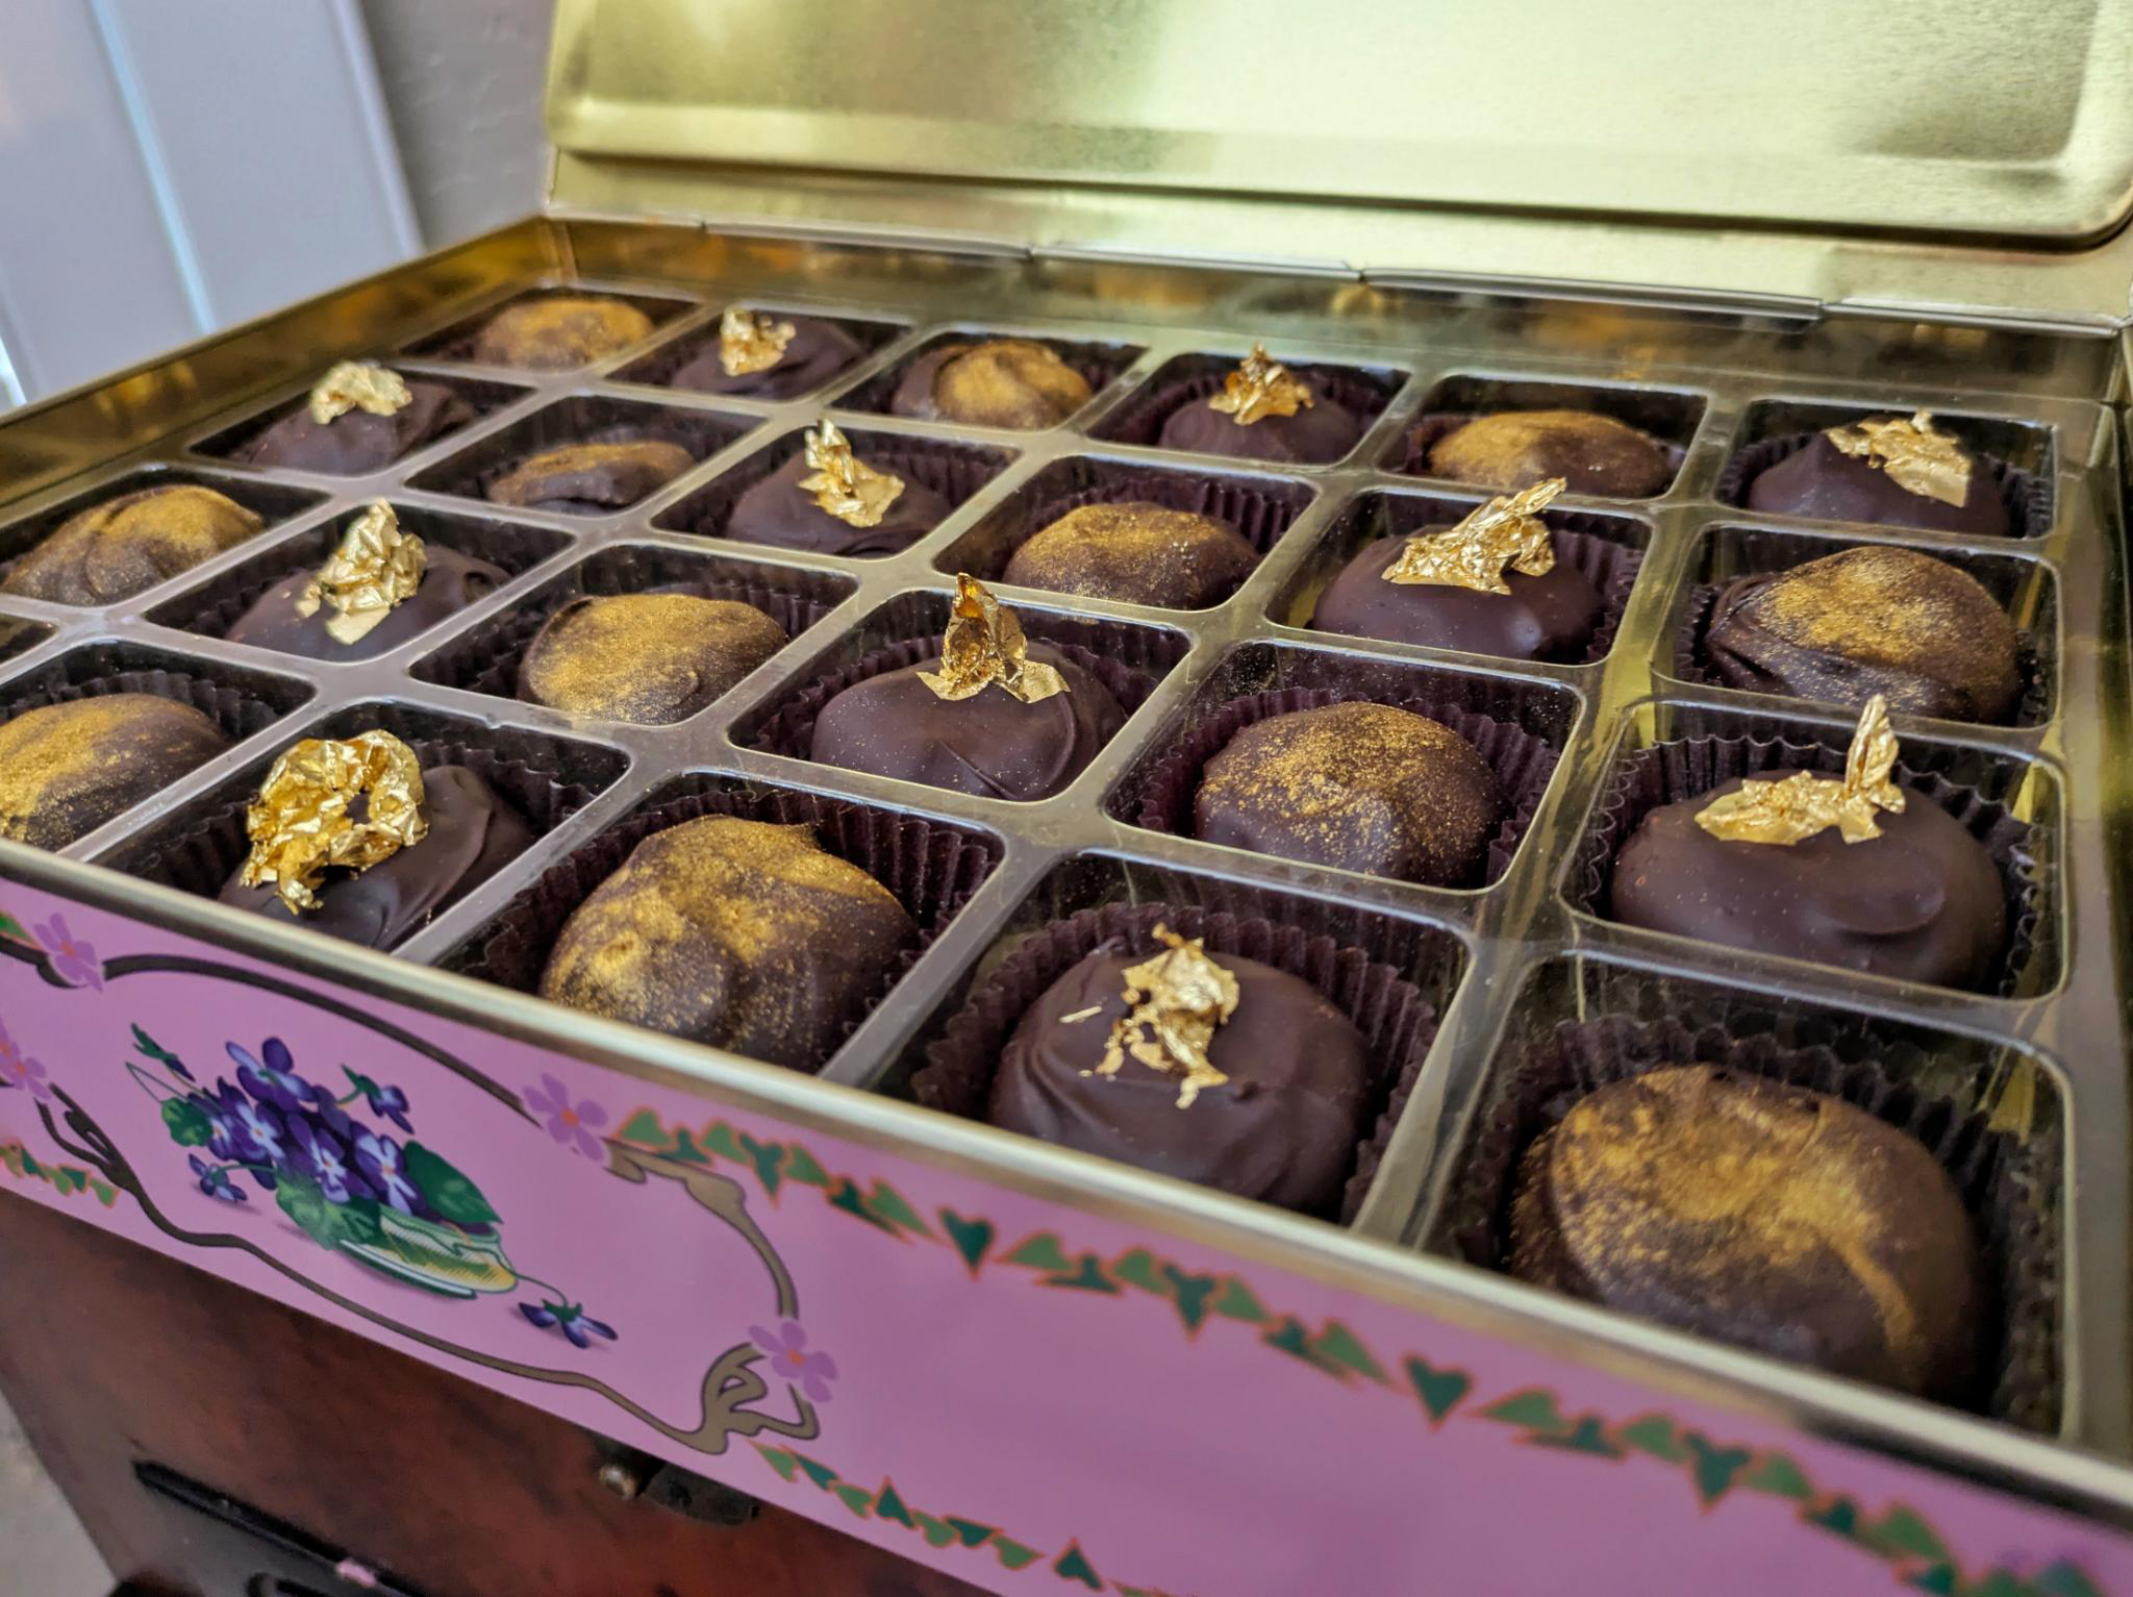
(647, 658)
(1003, 382)
(127, 545)
(66, 769)
(559, 332)
(1515, 449)
(1138, 552)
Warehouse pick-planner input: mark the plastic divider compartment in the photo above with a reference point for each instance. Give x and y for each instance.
(1672, 415)
(224, 444)
(656, 369)
(455, 341)
(1100, 361)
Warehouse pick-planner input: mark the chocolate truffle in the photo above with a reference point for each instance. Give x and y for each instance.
(779, 512)
(1515, 449)
(1888, 471)
(1876, 619)
(813, 353)
(559, 332)
(1264, 412)
(1137, 552)
(734, 933)
(647, 658)
(1283, 1128)
(357, 442)
(473, 833)
(127, 545)
(591, 479)
(1361, 787)
(1774, 1218)
(65, 769)
(1002, 382)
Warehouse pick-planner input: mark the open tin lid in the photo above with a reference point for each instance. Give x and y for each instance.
(1955, 156)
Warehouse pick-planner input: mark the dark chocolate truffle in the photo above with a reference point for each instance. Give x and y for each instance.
(1283, 1129)
(473, 833)
(1780, 1220)
(1517, 448)
(591, 479)
(733, 933)
(818, 351)
(1002, 382)
(450, 582)
(1922, 902)
(1549, 617)
(1320, 429)
(1823, 481)
(127, 545)
(779, 512)
(65, 769)
(1876, 619)
(991, 744)
(358, 442)
(647, 658)
(1137, 552)
(562, 331)
(1362, 787)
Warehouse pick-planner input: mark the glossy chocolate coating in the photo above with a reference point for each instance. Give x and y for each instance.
(450, 582)
(1515, 449)
(777, 511)
(1316, 435)
(65, 769)
(819, 351)
(1283, 1129)
(991, 744)
(1362, 787)
(473, 834)
(1136, 552)
(1549, 617)
(1821, 480)
(1922, 902)
(559, 332)
(647, 658)
(591, 479)
(1002, 382)
(1777, 1219)
(733, 933)
(357, 443)
(127, 545)
(1875, 619)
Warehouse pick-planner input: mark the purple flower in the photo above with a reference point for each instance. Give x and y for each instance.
(75, 962)
(384, 1167)
(259, 1133)
(569, 1318)
(568, 1122)
(387, 1103)
(320, 1156)
(17, 1069)
(272, 1079)
(328, 1111)
(214, 1180)
(791, 1360)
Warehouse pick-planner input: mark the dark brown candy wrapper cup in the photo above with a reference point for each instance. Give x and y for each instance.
(2028, 498)
(239, 714)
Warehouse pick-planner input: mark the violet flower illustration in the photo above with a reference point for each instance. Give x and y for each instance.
(17, 1069)
(569, 1318)
(384, 1166)
(73, 961)
(387, 1103)
(215, 1180)
(321, 1156)
(791, 1360)
(271, 1078)
(569, 1122)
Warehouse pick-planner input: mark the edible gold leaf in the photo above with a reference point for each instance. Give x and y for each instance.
(1507, 532)
(748, 342)
(304, 822)
(1803, 805)
(1176, 1001)
(1918, 459)
(376, 567)
(984, 647)
(359, 385)
(845, 486)
(1260, 387)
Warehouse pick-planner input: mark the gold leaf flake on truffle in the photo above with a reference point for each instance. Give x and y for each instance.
(751, 342)
(984, 647)
(845, 486)
(1917, 458)
(303, 820)
(1176, 1001)
(376, 567)
(1803, 805)
(1506, 533)
(359, 385)
(1260, 387)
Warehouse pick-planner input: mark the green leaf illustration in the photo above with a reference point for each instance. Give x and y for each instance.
(1902, 1529)
(1441, 1391)
(973, 1239)
(1073, 1564)
(187, 1122)
(777, 1458)
(325, 1222)
(889, 1504)
(643, 1128)
(450, 1193)
(13, 931)
(153, 1049)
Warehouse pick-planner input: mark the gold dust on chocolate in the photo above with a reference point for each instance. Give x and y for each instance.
(1918, 458)
(304, 820)
(750, 342)
(984, 647)
(1507, 533)
(376, 567)
(1803, 805)
(845, 486)
(1175, 1002)
(359, 385)
(1260, 387)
